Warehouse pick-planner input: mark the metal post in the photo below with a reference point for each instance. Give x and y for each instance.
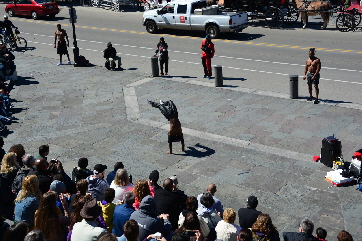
(218, 76)
(154, 66)
(75, 48)
(293, 84)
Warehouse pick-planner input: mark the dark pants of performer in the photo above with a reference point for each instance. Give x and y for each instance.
(164, 61)
(206, 63)
(168, 109)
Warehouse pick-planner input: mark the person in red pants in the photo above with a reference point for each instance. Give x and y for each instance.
(208, 52)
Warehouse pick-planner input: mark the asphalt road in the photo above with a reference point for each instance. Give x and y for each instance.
(259, 58)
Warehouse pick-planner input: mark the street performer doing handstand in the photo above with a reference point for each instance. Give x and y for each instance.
(169, 110)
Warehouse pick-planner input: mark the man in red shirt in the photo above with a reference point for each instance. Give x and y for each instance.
(208, 51)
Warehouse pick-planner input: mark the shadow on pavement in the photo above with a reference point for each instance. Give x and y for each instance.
(180, 76)
(230, 78)
(192, 151)
(21, 81)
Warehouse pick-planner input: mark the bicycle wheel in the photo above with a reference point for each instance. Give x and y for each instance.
(21, 43)
(357, 18)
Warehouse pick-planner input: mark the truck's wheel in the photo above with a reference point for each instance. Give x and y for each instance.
(151, 27)
(213, 31)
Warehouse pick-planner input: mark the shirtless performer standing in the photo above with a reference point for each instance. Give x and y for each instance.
(311, 73)
(61, 35)
(169, 110)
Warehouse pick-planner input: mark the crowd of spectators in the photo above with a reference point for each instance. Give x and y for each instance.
(43, 203)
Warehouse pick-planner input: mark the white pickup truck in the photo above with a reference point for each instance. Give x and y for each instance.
(194, 15)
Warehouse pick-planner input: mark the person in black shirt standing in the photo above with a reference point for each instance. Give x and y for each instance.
(162, 47)
(110, 54)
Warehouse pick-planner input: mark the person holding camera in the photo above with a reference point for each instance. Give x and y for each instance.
(162, 47)
(6, 62)
(207, 53)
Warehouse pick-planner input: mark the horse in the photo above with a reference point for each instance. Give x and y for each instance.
(312, 9)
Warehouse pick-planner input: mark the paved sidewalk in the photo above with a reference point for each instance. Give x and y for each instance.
(246, 142)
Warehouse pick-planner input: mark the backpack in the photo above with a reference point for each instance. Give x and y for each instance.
(359, 183)
(83, 62)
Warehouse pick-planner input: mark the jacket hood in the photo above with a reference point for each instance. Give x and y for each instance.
(148, 206)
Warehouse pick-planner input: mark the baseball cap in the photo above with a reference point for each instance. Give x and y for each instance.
(207, 36)
(99, 168)
(57, 186)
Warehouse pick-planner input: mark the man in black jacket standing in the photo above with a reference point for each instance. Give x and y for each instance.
(162, 47)
(110, 54)
(169, 202)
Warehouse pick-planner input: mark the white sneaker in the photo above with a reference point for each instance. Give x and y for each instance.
(60, 63)
(69, 62)
(161, 102)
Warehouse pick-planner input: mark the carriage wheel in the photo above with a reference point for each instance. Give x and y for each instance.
(345, 22)
(291, 16)
(357, 18)
(274, 18)
(116, 6)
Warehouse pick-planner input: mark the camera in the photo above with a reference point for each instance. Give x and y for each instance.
(54, 160)
(158, 235)
(191, 233)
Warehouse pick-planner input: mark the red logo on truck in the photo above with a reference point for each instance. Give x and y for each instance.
(182, 19)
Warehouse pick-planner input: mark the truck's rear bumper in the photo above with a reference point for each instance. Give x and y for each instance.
(238, 28)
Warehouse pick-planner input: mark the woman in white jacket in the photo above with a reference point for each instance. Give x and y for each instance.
(226, 229)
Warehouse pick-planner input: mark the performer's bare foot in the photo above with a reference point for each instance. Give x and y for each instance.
(182, 150)
(169, 152)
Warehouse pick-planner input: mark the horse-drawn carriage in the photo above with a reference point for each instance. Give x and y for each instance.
(274, 12)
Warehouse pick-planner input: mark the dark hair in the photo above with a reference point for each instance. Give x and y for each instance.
(245, 235)
(16, 232)
(35, 235)
(83, 162)
(307, 226)
(191, 204)
(43, 148)
(312, 49)
(344, 236)
(82, 186)
(168, 184)
(129, 198)
(131, 230)
(207, 200)
(180, 237)
(321, 233)
(108, 237)
(118, 165)
(58, 25)
(109, 195)
(191, 222)
(18, 149)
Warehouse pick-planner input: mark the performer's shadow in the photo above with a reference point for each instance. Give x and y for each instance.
(196, 152)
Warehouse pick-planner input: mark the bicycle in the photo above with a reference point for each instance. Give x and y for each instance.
(15, 42)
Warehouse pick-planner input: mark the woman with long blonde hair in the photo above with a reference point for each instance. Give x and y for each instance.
(48, 220)
(121, 185)
(9, 168)
(28, 200)
(140, 190)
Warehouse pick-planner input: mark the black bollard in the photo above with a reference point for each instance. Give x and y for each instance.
(154, 66)
(293, 84)
(218, 76)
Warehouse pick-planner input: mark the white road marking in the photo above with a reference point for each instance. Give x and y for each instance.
(229, 57)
